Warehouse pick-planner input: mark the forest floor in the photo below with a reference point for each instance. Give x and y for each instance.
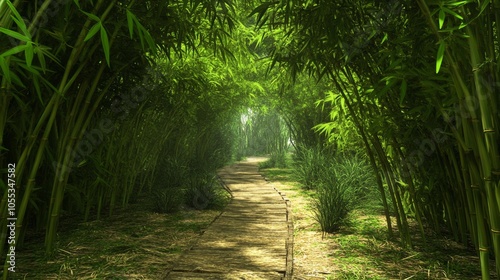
(136, 243)
(362, 249)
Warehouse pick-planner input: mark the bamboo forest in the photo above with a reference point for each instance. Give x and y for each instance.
(250, 139)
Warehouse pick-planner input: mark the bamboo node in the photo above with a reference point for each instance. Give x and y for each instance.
(474, 186)
(495, 231)
(489, 130)
(495, 172)
(484, 249)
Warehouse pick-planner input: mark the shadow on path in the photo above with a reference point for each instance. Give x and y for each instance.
(248, 240)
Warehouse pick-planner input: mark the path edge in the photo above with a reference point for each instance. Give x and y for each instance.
(289, 222)
(196, 241)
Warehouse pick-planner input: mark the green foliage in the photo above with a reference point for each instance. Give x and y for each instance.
(277, 159)
(412, 82)
(310, 164)
(335, 199)
(201, 191)
(170, 172)
(407, 72)
(263, 131)
(353, 170)
(167, 200)
(141, 78)
(341, 183)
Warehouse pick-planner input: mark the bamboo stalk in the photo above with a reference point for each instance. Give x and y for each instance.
(371, 155)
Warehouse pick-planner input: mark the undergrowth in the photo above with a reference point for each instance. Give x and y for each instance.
(362, 250)
(279, 159)
(341, 183)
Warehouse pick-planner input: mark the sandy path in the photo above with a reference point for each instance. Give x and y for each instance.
(248, 240)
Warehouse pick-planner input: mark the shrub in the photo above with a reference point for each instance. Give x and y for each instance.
(170, 173)
(355, 171)
(341, 183)
(204, 191)
(277, 159)
(167, 200)
(332, 206)
(310, 164)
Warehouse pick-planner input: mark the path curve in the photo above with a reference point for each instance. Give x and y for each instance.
(251, 239)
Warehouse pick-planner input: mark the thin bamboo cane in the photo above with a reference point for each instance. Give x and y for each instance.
(400, 214)
(487, 144)
(371, 154)
(408, 176)
(50, 109)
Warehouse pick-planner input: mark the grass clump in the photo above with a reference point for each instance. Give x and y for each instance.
(332, 206)
(310, 165)
(278, 159)
(340, 182)
(167, 200)
(167, 191)
(205, 192)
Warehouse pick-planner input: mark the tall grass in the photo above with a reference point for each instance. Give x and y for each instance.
(279, 159)
(334, 201)
(310, 164)
(341, 183)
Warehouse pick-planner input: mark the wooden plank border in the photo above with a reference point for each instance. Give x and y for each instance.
(289, 241)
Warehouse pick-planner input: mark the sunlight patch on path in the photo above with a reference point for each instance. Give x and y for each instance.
(248, 240)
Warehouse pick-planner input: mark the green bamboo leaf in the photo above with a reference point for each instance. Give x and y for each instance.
(5, 69)
(458, 3)
(261, 11)
(452, 13)
(130, 22)
(105, 44)
(16, 80)
(402, 92)
(14, 34)
(143, 32)
(22, 26)
(28, 53)
(41, 59)
(440, 55)
(47, 53)
(385, 38)
(92, 16)
(141, 36)
(484, 5)
(441, 18)
(150, 41)
(93, 30)
(14, 50)
(36, 83)
(77, 3)
(31, 69)
(17, 18)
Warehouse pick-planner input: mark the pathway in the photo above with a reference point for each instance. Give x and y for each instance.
(251, 239)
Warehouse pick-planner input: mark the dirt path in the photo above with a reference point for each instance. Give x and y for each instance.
(249, 239)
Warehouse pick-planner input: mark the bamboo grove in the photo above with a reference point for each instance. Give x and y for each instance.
(99, 99)
(95, 93)
(419, 80)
